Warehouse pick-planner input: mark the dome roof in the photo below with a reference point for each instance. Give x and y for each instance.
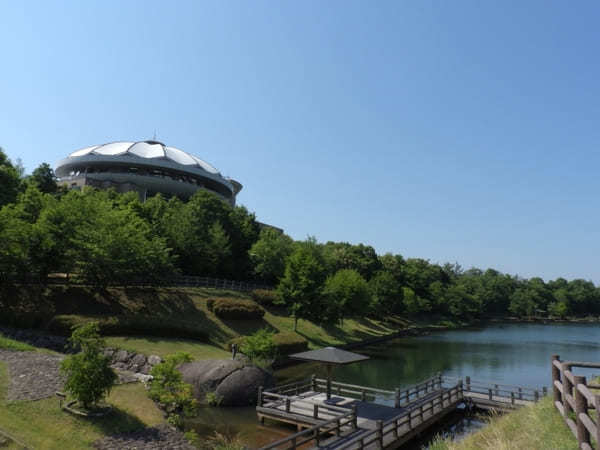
(147, 150)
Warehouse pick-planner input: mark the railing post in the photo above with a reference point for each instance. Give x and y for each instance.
(536, 395)
(460, 389)
(363, 396)
(468, 380)
(380, 432)
(567, 389)
(260, 396)
(397, 398)
(287, 405)
(439, 380)
(597, 406)
(313, 382)
(581, 407)
(512, 398)
(520, 393)
(337, 427)
(496, 390)
(316, 411)
(490, 393)
(544, 391)
(555, 377)
(354, 417)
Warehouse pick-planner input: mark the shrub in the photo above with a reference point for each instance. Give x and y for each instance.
(266, 297)
(259, 347)
(169, 390)
(286, 342)
(89, 376)
(230, 308)
(62, 324)
(213, 399)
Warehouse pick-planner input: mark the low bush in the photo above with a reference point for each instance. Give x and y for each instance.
(288, 342)
(230, 308)
(88, 374)
(266, 297)
(169, 390)
(129, 326)
(285, 342)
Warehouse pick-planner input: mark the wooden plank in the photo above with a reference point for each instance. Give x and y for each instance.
(560, 407)
(589, 423)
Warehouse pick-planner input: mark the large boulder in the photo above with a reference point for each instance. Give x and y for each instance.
(235, 382)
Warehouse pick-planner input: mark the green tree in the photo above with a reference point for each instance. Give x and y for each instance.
(170, 391)
(302, 283)
(269, 253)
(346, 293)
(259, 347)
(88, 373)
(10, 180)
(44, 179)
(386, 294)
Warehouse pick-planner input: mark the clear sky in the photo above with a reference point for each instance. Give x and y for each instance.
(447, 130)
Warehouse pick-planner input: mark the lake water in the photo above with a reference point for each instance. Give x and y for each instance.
(516, 354)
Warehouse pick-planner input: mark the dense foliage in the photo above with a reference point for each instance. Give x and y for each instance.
(102, 238)
(88, 374)
(170, 391)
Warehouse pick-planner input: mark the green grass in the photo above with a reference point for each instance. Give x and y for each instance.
(11, 344)
(43, 425)
(532, 427)
(165, 346)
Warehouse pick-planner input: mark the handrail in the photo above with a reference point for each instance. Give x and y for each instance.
(572, 395)
(315, 430)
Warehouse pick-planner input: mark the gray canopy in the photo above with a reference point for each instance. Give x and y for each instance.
(330, 355)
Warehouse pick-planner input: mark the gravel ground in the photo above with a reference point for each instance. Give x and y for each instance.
(160, 437)
(33, 375)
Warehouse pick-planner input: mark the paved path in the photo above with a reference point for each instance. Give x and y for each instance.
(32, 375)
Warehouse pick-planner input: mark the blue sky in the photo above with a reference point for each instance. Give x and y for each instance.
(452, 131)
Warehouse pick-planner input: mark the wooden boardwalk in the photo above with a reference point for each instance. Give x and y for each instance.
(356, 418)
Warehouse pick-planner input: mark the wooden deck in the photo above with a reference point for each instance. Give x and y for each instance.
(355, 417)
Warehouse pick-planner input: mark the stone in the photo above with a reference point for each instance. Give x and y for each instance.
(138, 360)
(239, 381)
(145, 369)
(154, 360)
(121, 356)
(241, 387)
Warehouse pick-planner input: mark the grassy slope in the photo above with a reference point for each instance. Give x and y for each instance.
(10, 344)
(42, 425)
(178, 304)
(533, 427)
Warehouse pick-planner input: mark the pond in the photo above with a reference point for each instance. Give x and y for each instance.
(516, 354)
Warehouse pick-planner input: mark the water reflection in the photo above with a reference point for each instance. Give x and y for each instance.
(516, 354)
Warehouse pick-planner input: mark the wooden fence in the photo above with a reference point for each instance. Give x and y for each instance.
(579, 406)
(175, 281)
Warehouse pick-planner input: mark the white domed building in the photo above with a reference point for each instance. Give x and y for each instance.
(148, 167)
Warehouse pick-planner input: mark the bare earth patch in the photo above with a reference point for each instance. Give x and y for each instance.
(160, 437)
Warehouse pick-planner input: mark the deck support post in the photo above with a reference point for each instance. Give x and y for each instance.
(397, 398)
(380, 433)
(544, 391)
(468, 380)
(536, 396)
(490, 393)
(512, 398)
(496, 393)
(260, 396)
(316, 411)
(287, 405)
(581, 406)
(354, 417)
(313, 382)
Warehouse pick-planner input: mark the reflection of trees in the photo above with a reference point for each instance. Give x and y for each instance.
(511, 354)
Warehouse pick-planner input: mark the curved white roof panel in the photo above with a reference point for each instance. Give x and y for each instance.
(147, 150)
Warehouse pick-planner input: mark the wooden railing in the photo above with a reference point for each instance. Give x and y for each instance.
(363, 393)
(494, 389)
(316, 411)
(315, 434)
(406, 422)
(579, 406)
